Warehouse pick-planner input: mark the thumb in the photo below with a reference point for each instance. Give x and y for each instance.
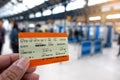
(16, 70)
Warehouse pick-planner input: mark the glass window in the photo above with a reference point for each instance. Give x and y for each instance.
(106, 8)
(47, 12)
(93, 2)
(16, 7)
(75, 5)
(38, 14)
(31, 3)
(117, 6)
(21, 17)
(31, 16)
(58, 9)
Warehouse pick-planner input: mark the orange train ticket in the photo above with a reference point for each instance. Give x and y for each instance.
(43, 48)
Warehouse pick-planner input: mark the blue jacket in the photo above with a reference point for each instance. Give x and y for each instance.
(14, 36)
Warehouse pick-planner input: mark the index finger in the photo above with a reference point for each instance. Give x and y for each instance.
(6, 60)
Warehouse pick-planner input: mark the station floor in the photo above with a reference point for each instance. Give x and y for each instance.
(103, 66)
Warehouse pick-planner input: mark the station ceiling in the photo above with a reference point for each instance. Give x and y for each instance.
(15, 9)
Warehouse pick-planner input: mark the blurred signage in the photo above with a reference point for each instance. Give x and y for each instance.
(111, 6)
(31, 25)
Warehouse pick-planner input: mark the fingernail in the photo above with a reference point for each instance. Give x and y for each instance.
(22, 63)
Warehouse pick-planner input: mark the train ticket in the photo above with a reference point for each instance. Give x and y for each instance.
(43, 48)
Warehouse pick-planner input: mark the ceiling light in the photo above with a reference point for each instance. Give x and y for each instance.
(94, 18)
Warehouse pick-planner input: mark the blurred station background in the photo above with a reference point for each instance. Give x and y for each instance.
(93, 28)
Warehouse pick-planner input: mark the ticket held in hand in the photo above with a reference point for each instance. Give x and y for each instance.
(43, 48)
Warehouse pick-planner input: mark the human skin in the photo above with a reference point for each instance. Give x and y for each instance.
(13, 68)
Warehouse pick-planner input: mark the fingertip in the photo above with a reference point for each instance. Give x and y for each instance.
(31, 69)
(23, 63)
(32, 76)
(36, 77)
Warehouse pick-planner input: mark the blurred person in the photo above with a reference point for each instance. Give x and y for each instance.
(76, 34)
(118, 45)
(23, 30)
(13, 68)
(14, 38)
(71, 33)
(81, 34)
(38, 28)
(11, 24)
(50, 27)
(2, 35)
(51, 30)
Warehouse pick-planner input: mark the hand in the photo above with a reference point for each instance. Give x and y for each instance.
(12, 68)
